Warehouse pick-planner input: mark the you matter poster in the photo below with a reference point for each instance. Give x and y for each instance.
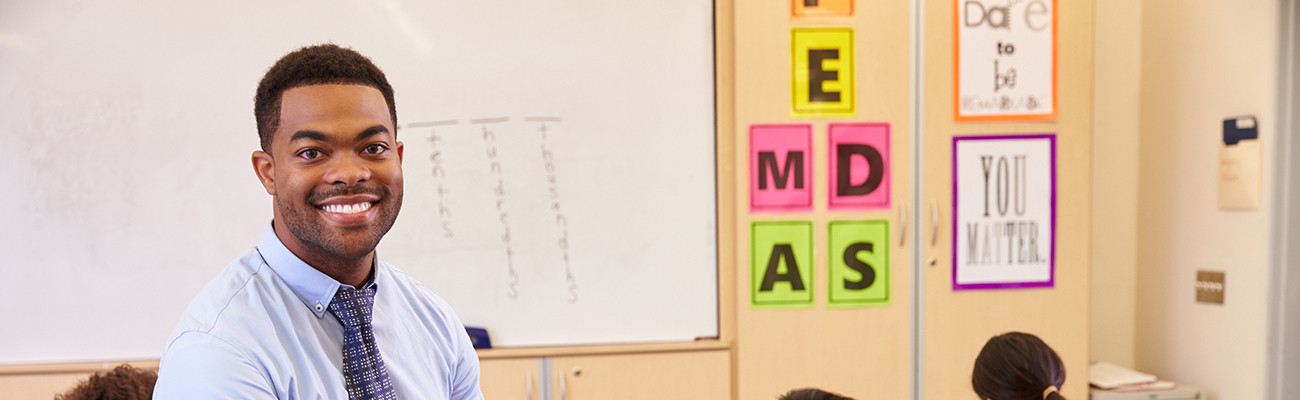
(1004, 211)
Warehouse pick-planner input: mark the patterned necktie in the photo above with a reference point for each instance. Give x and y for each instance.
(363, 369)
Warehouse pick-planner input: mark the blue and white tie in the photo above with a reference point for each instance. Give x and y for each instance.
(363, 369)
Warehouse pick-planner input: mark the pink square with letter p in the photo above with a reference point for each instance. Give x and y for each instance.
(780, 168)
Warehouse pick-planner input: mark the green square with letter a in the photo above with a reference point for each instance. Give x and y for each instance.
(781, 264)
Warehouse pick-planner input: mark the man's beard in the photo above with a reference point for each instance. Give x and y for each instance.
(304, 221)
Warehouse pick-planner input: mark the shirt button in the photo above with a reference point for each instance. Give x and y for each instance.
(319, 307)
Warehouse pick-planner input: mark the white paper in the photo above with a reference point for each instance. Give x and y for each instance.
(1004, 212)
(1109, 376)
(1006, 58)
(1240, 175)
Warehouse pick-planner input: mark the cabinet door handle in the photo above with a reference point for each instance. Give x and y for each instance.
(528, 382)
(934, 223)
(902, 234)
(564, 391)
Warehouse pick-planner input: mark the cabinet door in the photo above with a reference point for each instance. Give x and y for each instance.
(509, 379)
(702, 375)
(858, 349)
(957, 322)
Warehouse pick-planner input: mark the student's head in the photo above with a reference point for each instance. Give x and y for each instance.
(330, 155)
(1018, 366)
(122, 383)
(812, 394)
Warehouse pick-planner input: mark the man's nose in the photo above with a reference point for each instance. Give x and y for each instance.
(347, 169)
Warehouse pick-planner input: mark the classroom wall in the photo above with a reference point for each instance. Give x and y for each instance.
(1202, 61)
(1116, 108)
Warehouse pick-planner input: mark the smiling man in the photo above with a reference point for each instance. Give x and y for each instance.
(312, 312)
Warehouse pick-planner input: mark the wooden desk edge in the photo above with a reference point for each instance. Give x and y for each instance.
(71, 368)
(701, 345)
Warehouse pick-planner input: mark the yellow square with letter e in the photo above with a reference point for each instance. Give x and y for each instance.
(822, 71)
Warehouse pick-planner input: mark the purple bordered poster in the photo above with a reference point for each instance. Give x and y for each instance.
(1004, 211)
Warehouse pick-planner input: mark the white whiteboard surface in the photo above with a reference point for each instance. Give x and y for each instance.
(127, 129)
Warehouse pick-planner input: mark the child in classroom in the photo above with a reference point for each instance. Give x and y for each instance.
(812, 394)
(1018, 366)
(122, 383)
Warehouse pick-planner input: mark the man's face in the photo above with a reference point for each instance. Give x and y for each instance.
(335, 169)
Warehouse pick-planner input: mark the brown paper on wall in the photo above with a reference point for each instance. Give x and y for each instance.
(1239, 175)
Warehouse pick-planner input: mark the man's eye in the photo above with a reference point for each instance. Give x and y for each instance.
(373, 149)
(309, 154)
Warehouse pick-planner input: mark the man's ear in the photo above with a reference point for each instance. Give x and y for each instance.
(401, 148)
(264, 166)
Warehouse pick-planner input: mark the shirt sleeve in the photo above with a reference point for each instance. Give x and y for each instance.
(198, 365)
(465, 384)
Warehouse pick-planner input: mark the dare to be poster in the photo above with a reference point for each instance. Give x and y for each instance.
(1006, 60)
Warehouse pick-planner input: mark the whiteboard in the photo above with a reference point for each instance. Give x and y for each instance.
(128, 127)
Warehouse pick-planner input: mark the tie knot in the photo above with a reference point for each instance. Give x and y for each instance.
(353, 307)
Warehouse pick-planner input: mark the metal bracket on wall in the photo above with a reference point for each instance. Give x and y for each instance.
(902, 219)
(544, 378)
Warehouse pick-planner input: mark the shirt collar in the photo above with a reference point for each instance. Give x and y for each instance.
(313, 287)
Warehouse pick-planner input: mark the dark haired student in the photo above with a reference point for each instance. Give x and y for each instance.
(1018, 366)
(312, 312)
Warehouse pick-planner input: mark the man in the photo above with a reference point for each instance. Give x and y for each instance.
(312, 312)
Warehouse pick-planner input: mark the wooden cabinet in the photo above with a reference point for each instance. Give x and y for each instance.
(509, 378)
(703, 375)
(686, 375)
(861, 352)
(955, 324)
(928, 334)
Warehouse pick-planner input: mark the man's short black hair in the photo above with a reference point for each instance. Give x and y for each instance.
(325, 64)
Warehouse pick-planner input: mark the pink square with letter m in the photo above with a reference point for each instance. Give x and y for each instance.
(780, 168)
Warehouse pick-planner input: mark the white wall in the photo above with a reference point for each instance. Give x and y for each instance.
(1202, 61)
(1115, 181)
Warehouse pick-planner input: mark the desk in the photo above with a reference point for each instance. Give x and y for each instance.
(1179, 393)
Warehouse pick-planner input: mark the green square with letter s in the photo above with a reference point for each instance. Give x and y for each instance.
(858, 268)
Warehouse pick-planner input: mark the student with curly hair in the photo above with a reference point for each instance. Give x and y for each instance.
(1018, 366)
(122, 383)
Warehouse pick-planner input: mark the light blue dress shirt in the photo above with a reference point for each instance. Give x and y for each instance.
(262, 330)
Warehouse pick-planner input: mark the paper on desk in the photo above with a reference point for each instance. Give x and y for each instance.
(1142, 387)
(1109, 376)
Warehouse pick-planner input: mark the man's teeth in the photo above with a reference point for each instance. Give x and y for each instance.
(346, 208)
